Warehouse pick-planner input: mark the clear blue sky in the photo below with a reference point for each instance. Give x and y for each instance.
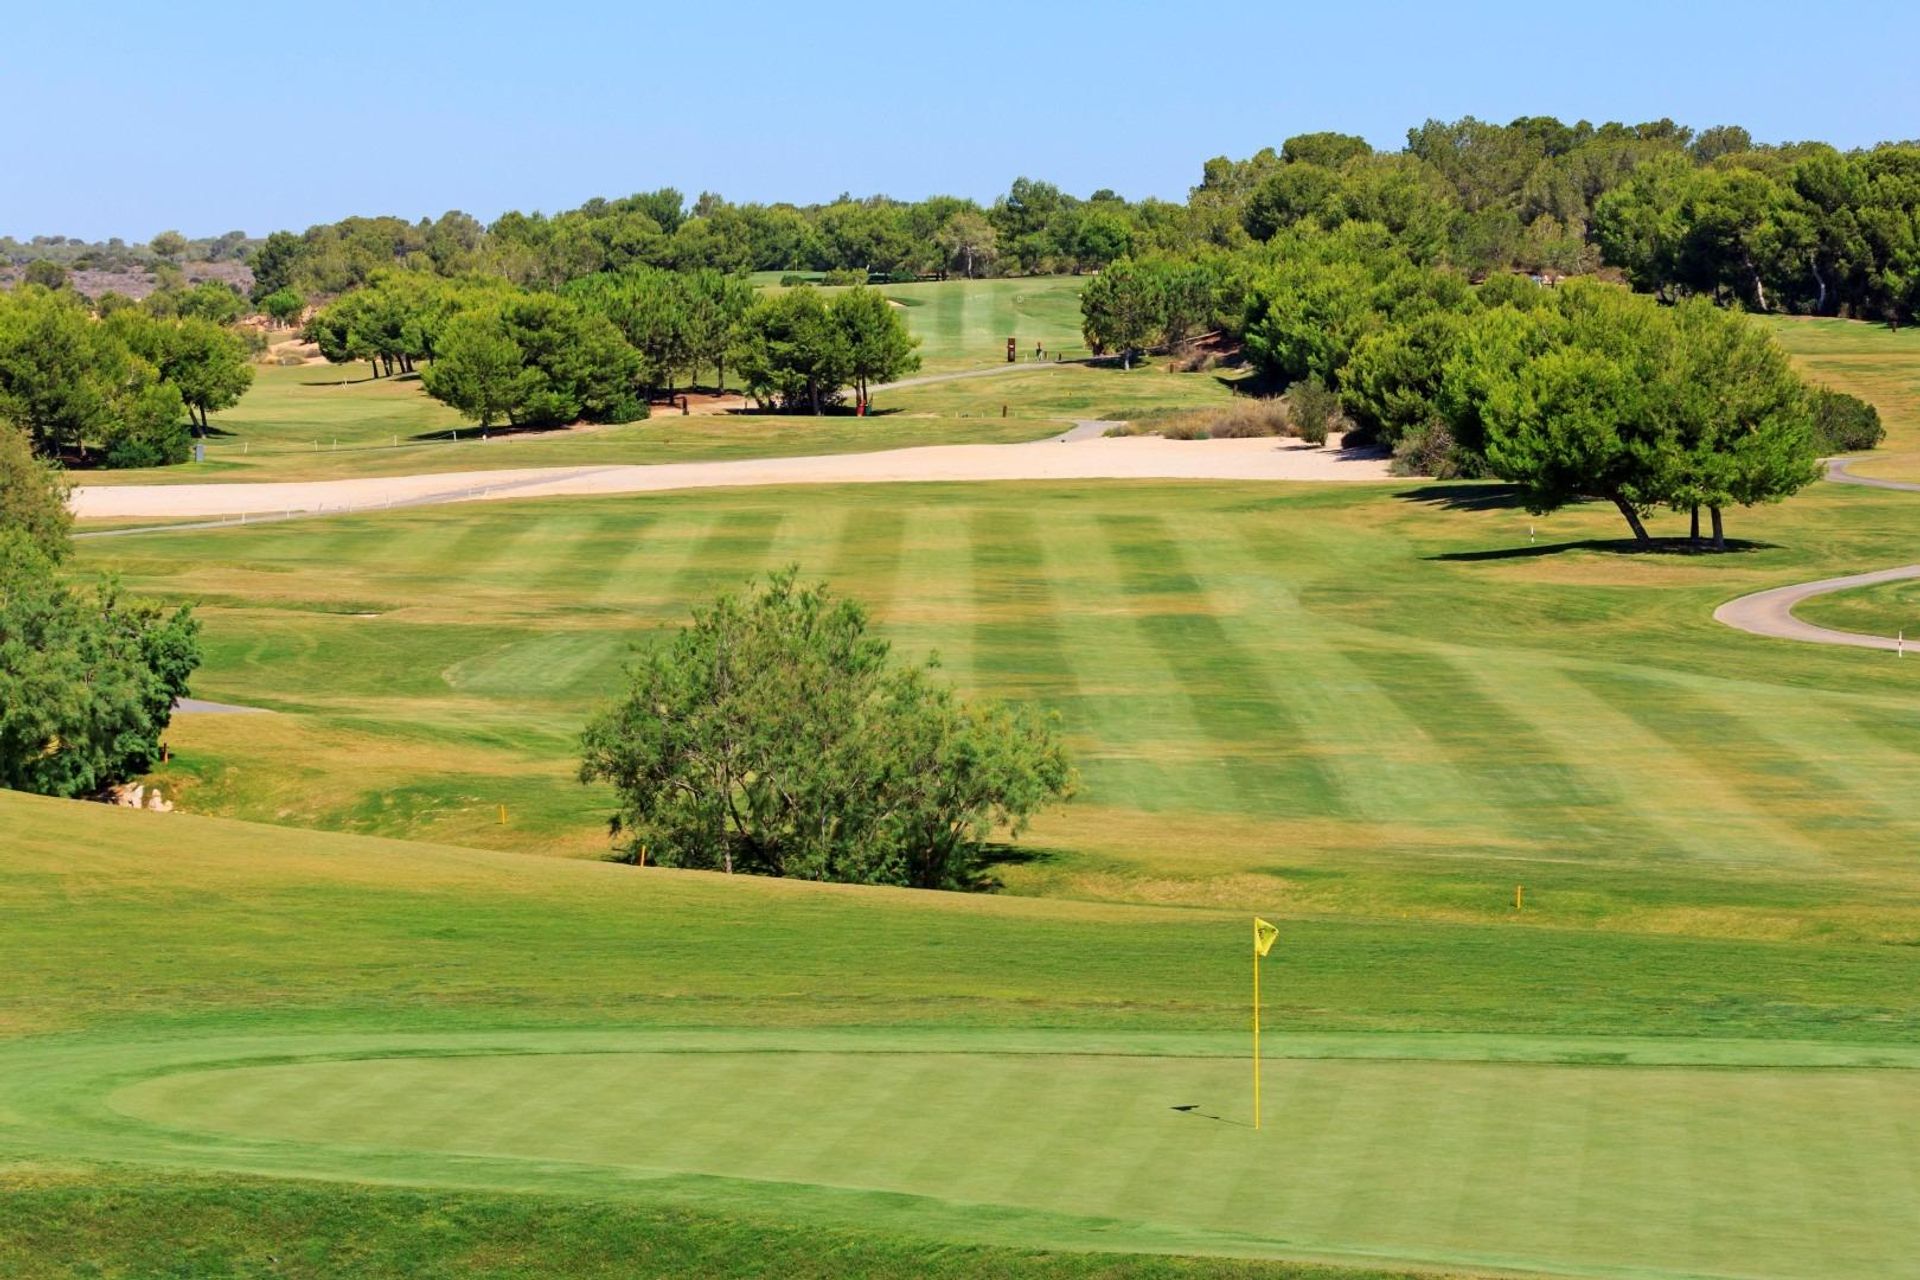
(125, 119)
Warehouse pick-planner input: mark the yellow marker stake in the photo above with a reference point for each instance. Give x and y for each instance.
(1519, 896)
(503, 815)
(1263, 936)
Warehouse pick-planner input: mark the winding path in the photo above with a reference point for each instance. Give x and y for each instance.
(1770, 613)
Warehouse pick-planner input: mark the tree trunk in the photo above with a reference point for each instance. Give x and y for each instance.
(1693, 534)
(1633, 521)
(1719, 533)
(1819, 307)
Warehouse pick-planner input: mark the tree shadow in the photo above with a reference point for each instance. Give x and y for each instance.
(1464, 495)
(334, 382)
(1607, 546)
(997, 854)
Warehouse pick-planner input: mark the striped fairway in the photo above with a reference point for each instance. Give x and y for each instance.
(1296, 674)
(1647, 1170)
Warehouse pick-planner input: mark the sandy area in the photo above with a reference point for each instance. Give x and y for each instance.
(1123, 458)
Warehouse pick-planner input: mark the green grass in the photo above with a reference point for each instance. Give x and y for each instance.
(1885, 609)
(670, 1059)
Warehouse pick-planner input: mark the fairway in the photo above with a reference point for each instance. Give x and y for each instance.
(1384, 699)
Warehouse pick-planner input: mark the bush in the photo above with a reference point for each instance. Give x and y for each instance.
(1314, 410)
(773, 735)
(1844, 423)
(843, 276)
(1430, 450)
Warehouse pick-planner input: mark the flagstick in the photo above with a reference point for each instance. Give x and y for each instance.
(1256, 1031)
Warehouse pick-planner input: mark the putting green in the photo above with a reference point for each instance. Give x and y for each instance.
(1676, 1167)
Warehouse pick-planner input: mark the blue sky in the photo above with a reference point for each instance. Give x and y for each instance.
(124, 119)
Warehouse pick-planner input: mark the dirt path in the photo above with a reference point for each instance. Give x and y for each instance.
(1082, 453)
(1770, 613)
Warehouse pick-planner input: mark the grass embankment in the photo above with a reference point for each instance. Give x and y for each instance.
(235, 1001)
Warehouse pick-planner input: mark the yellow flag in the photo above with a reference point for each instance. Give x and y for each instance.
(1263, 936)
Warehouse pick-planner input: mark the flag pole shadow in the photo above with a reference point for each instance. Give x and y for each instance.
(1193, 1109)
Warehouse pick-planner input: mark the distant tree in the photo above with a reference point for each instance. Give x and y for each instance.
(1744, 419)
(1328, 150)
(481, 370)
(1843, 423)
(968, 241)
(773, 736)
(207, 300)
(536, 359)
(46, 273)
(716, 304)
(168, 244)
(1721, 140)
(1122, 309)
(205, 361)
(276, 262)
(61, 377)
(879, 348)
(283, 306)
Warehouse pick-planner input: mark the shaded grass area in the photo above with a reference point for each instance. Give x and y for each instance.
(1884, 609)
(123, 1226)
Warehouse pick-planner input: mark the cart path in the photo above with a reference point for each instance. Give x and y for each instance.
(1082, 453)
(1770, 613)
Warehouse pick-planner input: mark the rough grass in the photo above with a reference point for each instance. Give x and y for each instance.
(1888, 608)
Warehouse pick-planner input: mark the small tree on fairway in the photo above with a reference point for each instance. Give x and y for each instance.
(772, 735)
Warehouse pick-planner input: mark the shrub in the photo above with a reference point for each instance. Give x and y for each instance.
(1314, 410)
(1429, 449)
(1844, 423)
(844, 276)
(774, 735)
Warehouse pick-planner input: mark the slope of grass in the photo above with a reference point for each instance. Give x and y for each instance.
(1874, 362)
(130, 1226)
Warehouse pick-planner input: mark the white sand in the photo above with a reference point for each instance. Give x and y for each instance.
(1123, 458)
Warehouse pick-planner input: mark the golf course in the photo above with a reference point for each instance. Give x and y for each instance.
(1309, 705)
(1598, 918)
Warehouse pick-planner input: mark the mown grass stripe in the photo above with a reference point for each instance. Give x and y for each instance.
(1540, 798)
(1177, 613)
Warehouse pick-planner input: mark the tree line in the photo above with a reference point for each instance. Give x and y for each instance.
(1584, 390)
(602, 347)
